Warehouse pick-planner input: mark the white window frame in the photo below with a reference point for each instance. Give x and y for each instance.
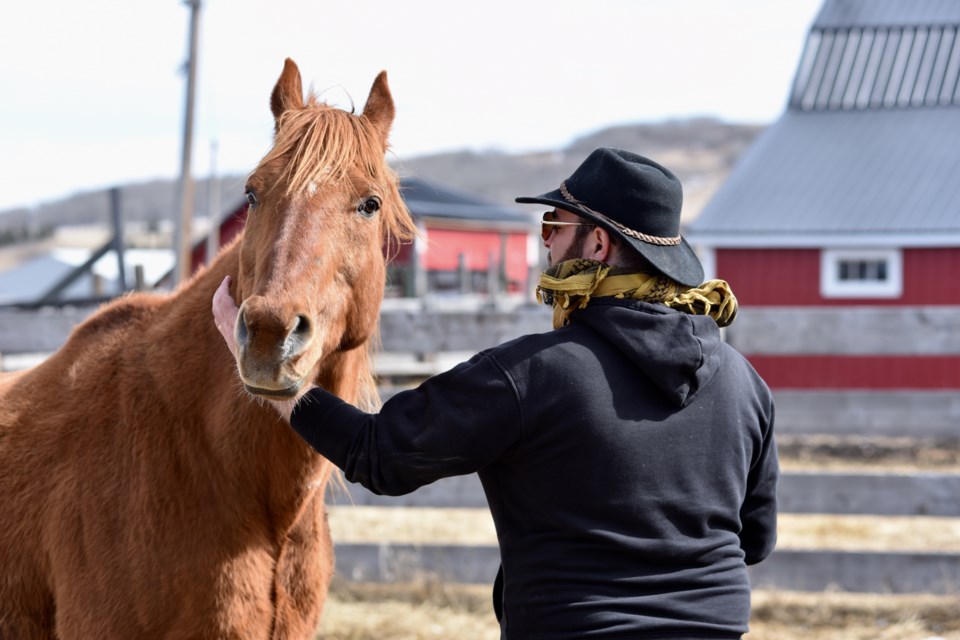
(832, 287)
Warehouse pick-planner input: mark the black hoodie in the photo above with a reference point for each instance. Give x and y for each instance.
(628, 460)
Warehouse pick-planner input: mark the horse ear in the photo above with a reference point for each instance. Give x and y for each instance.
(379, 110)
(288, 94)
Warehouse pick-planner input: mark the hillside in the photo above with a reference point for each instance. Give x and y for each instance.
(701, 152)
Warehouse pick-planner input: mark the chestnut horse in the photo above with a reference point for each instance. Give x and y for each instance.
(144, 491)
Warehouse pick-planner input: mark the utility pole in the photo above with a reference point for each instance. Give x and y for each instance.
(213, 205)
(183, 236)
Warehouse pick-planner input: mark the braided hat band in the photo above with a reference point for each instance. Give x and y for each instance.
(658, 240)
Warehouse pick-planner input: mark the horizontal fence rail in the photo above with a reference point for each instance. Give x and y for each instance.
(857, 572)
(865, 330)
(908, 413)
(422, 329)
(883, 494)
(38, 330)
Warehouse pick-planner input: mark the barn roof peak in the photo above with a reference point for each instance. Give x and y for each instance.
(880, 54)
(868, 149)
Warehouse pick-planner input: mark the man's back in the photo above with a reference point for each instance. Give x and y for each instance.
(644, 479)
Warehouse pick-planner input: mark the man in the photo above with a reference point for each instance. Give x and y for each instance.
(628, 456)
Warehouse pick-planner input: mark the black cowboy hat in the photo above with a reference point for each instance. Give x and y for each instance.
(637, 200)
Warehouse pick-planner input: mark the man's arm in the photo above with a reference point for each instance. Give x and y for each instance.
(758, 514)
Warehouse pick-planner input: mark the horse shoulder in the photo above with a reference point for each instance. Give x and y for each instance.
(118, 316)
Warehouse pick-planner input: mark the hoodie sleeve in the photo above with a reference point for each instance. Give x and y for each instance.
(758, 514)
(454, 423)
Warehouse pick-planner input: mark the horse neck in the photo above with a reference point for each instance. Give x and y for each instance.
(253, 447)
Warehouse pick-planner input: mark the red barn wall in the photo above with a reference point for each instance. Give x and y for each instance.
(844, 372)
(791, 278)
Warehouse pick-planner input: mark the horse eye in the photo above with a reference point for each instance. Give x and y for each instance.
(251, 198)
(369, 207)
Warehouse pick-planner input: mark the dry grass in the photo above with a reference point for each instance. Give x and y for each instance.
(409, 612)
(845, 616)
(410, 525)
(431, 611)
(868, 533)
(868, 454)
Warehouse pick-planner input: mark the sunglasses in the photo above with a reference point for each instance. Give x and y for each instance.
(547, 227)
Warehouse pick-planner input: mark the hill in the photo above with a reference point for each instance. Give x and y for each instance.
(700, 151)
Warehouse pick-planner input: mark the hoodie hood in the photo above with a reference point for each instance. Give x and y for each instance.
(677, 351)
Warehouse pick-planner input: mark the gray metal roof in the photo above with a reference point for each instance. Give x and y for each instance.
(847, 13)
(425, 198)
(879, 67)
(869, 144)
(884, 171)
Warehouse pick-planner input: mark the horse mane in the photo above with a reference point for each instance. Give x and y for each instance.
(320, 144)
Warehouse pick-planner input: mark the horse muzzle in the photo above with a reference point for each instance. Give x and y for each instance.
(276, 348)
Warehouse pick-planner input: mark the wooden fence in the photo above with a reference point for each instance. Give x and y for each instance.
(919, 495)
(416, 340)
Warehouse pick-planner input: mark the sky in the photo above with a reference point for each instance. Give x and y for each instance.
(93, 92)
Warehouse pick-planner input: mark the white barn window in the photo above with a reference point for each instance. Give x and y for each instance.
(861, 273)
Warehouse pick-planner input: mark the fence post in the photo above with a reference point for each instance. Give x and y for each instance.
(118, 238)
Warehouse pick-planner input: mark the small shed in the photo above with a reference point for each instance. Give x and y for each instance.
(839, 229)
(467, 244)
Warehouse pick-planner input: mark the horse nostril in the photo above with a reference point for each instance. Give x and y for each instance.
(302, 327)
(302, 330)
(299, 336)
(242, 333)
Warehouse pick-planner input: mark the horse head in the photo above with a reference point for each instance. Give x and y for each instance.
(323, 204)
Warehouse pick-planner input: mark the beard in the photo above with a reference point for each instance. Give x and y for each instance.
(575, 250)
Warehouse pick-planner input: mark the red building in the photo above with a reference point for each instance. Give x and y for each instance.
(839, 230)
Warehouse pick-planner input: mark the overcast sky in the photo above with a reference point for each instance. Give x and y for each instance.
(93, 90)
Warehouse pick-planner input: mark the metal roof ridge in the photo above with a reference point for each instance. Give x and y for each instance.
(779, 239)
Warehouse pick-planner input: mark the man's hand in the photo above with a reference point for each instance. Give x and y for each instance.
(225, 312)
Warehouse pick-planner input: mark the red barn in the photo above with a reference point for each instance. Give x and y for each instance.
(839, 229)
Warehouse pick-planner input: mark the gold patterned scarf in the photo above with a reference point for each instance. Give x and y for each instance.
(571, 285)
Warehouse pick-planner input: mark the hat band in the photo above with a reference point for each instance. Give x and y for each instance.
(659, 240)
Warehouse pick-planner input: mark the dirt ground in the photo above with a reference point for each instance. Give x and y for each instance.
(431, 611)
